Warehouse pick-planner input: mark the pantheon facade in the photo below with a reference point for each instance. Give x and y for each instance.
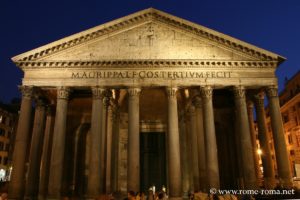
(147, 99)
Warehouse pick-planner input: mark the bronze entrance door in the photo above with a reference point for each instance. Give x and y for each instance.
(153, 160)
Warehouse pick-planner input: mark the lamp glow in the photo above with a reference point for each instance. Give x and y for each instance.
(259, 152)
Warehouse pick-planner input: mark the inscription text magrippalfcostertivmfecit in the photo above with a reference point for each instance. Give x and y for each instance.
(144, 74)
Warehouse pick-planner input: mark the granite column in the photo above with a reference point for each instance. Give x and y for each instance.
(283, 164)
(58, 144)
(133, 170)
(17, 182)
(249, 175)
(173, 146)
(212, 165)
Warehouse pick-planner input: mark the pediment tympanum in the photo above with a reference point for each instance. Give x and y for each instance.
(148, 41)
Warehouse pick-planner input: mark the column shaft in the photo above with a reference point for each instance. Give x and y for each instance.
(103, 155)
(46, 154)
(201, 143)
(194, 144)
(32, 183)
(212, 166)
(184, 155)
(173, 146)
(253, 140)
(115, 148)
(283, 164)
(58, 144)
(264, 139)
(94, 183)
(189, 151)
(16, 185)
(109, 151)
(133, 171)
(250, 181)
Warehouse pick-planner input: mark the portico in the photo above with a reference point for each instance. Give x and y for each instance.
(146, 71)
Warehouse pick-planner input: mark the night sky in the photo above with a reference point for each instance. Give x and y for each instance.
(273, 25)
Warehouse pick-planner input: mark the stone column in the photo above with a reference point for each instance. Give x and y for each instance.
(58, 144)
(46, 154)
(253, 140)
(188, 133)
(174, 167)
(115, 147)
(31, 189)
(250, 181)
(109, 150)
(184, 155)
(194, 145)
(283, 164)
(94, 178)
(264, 140)
(201, 144)
(16, 185)
(133, 170)
(212, 165)
(103, 145)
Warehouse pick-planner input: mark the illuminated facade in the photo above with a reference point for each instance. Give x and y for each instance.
(146, 99)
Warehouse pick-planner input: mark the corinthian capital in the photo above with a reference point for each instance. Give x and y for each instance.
(27, 91)
(134, 91)
(197, 101)
(98, 92)
(260, 99)
(206, 92)
(239, 91)
(171, 92)
(272, 91)
(63, 92)
(107, 97)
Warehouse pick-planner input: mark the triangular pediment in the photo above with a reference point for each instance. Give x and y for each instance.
(148, 35)
(148, 41)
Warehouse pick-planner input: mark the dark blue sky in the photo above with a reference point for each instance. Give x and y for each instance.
(270, 24)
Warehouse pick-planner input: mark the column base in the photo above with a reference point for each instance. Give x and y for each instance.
(54, 198)
(269, 183)
(175, 198)
(285, 183)
(30, 198)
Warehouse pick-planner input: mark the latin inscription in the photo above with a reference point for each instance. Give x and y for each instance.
(149, 74)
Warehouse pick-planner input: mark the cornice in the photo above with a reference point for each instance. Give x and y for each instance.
(140, 17)
(146, 63)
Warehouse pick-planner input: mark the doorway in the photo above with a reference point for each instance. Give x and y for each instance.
(153, 160)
